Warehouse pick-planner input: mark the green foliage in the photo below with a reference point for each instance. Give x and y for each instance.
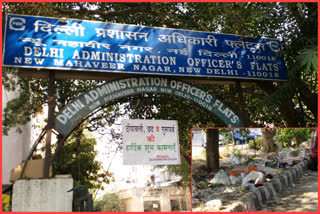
(109, 203)
(183, 170)
(290, 103)
(255, 144)
(78, 159)
(6, 202)
(20, 110)
(285, 136)
(227, 149)
(238, 153)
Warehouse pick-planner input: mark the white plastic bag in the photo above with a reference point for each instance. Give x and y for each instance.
(234, 159)
(221, 178)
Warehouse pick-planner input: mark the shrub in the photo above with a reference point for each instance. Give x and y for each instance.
(256, 144)
(238, 153)
(109, 203)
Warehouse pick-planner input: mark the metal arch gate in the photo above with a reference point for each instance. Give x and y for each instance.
(74, 112)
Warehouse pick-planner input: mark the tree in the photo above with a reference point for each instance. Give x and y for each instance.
(268, 141)
(264, 103)
(286, 136)
(183, 170)
(294, 23)
(232, 138)
(109, 203)
(255, 144)
(212, 150)
(77, 157)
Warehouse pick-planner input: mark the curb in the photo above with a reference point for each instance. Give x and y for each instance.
(278, 186)
(254, 200)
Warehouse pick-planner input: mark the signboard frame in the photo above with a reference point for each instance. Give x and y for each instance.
(150, 142)
(185, 71)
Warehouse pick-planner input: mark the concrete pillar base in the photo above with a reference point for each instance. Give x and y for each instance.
(42, 195)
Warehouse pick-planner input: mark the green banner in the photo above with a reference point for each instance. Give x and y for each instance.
(73, 113)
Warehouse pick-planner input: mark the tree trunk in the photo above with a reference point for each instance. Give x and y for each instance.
(268, 142)
(212, 151)
(232, 139)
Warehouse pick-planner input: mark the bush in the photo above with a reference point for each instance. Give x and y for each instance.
(238, 153)
(227, 148)
(109, 203)
(256, 144)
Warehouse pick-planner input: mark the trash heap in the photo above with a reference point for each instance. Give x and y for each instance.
(213, 192)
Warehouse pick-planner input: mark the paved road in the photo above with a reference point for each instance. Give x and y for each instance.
(303, 197)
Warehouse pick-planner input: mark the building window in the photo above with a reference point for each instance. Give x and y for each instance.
(178, 205)
(151, 206)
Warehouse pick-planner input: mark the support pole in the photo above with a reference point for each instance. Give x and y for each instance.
(51, 107)
(212, 150)
(243, 113)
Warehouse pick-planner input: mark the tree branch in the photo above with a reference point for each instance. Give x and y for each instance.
(103, 14)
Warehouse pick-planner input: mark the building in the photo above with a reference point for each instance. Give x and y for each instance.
(153, 189)
(156, 199)
(15, 146)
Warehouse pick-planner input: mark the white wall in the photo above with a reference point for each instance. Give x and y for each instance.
(15, 146)
(42, 195)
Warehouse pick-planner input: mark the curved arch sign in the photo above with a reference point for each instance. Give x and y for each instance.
(73, 113)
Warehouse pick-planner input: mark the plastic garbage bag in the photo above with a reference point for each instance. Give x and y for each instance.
(214, 203)
(253, 177)
(249, 187)
(267, 170)
(221, 178)
(234, 158)
(235, 180)
(273, 163)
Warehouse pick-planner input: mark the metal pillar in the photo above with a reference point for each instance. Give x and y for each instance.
(243, 111)
(51, 107)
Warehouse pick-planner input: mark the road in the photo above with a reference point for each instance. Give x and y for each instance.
(197, 149)
(303, 197)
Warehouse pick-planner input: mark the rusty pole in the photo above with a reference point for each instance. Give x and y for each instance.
(51, 107)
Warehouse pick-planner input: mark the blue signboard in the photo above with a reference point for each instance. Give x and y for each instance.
(52, 43)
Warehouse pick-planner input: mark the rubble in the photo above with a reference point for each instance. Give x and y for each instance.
(268, 170)
(236, 172)
(221, 178)
(202, 185)
(234, 159)
(253, 177)
(235, 180)
(216, 203)
(216, 191)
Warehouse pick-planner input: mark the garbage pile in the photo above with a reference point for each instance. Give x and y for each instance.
(214, 192)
